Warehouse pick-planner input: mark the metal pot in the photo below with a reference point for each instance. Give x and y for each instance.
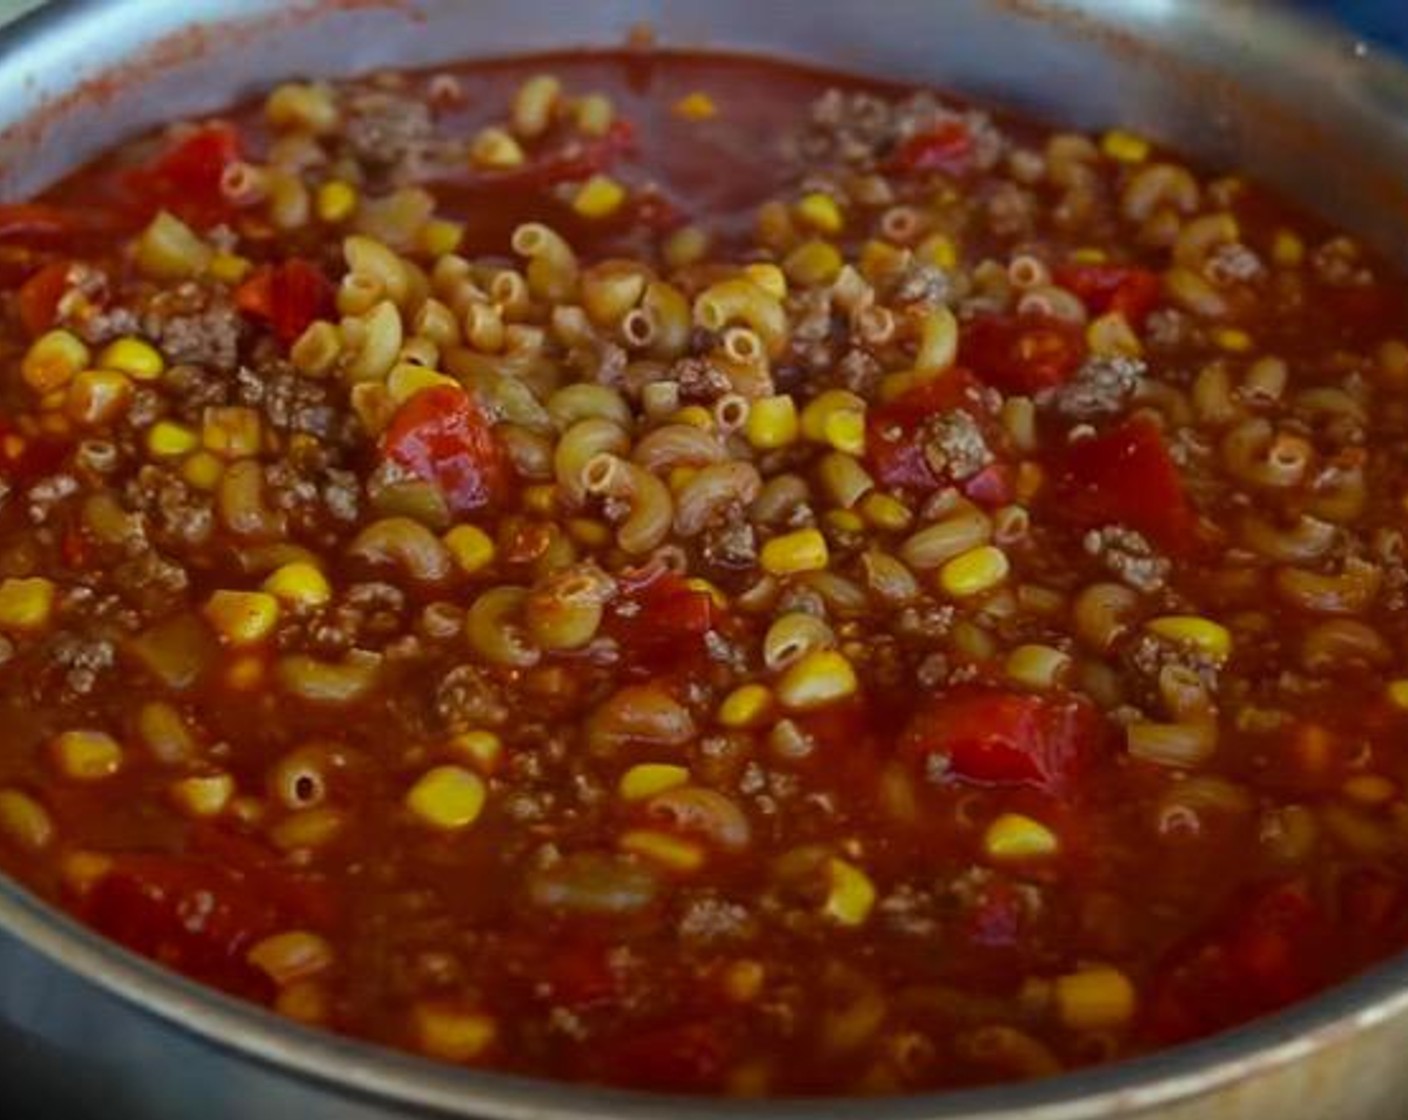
(87, 1028)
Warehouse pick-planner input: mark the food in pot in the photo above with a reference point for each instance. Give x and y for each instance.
(698, 574)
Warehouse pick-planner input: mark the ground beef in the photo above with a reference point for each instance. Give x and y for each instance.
(150, 582)
(176, 513)
(699, 379)
(291, 402)
(924, 284)
(732, 545)
(954, 446)
(1011, 211)
(1168, 329)
(467, 697)
(1149, 655)
(707, 920)
(1233, 263)
(1337, 262)
(194, 325)
(859, 371)
(1101, 387)
(1128, 556)
(82, 660)
(342, 495)
(196, 388)
(860, 129)
(48, 493)
(384, 129)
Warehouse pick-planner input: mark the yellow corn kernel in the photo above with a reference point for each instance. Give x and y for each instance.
(484, 749)
(167, 439)
(540, 498)
(26, 604)
(203, 796)
(1233, 339)
(677, 478)
(1094, 999)
(81, 870)
(1369, 789)
(242, 618)
(406, 379)
(298, 584)
(135, 357)
(884, 511)
(670, 852)
(1110, 335)
(844, 521)
(440, 236)
(695, 415)
(1287, 249)
(453, 1034)
(335, 201)
(1202, 634)
(851, 894)
(599, 197)
(815, 680)
(975, 571)
(1089, 254)
(1013, 836)
(471, 548)
(24, 822)
(202, 470)
(800, 551)
(1398, 693)
(291, 956)
(820, 409)
(820, 211)
(245, 673)
(86, 756)
(772, 423)
(1037, 666)
(743, 980)
(768, 277)
(231, 431)
(844, 430)
(1124, 147)
(746, 706)
(53, 360)
(686, 246)
(696, 106)
(594, 114)
(590, 532)
(495, 150)
(304, 1001)
(813, 263)
(229, 268)
(447, 797)
(646, 779)
(98, 396)
(939, 250)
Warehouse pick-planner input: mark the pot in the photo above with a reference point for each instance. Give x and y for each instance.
(85, 1027)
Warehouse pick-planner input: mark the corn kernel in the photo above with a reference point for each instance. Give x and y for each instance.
(1013, 836)
(452, 1034)
(939, 250)
(202, 470)
(232, 432)
(242, 618)
(540, 498)
(820, 409)
(801, 551)
(335, 201)
(696, 106)
(82, 871)
(406, 379)
(768, 277)
(884, 511)
(86, 756)
(304, 1001)
(813, 263)
(1233, 340)
(482, 748)
(245, 672)
(670, 852)
(851, 895)
(53, 360)
(646, 779)
(298, 584)
(168, 440)
(230, 268)
(696, 416)
(135, 357)
(844, 521)
(589, 531)
(1287, 249)
(25, 604)
(203, 796)
(447, 797)
(1097, 998)
(772, 423)
(1369, 789)
(1398, 693)
(975, 571)
(815, 680)
(844, 430)
(471, 548)
(290, 956)
(440, 236)
(1124, 147)
(1202, 634)
(24, 822)
(599, 197)
(495, 150)
(747, 705)
(686, 246)
(97, 397)
(821, 212)
(1110, 335)
(743, 980)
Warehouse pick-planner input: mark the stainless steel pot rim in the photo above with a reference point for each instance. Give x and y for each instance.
(377, 1075)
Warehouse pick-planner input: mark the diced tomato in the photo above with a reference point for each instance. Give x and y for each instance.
(1125, 476)
(661, 618)
(187, 177)
(287, 296)
(995, 919)
(992, 486)
(25, 458)
(442, 437)
(37, 221)
(947, 147)
(573, 162)
(579, 976)
(995, 738)
(1021, 355)
(687, 1058)
(1269, 953)
(1129, 290)
(39, 297)
(892, 445)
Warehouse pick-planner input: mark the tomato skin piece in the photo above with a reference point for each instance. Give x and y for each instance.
(442, 437)
(186, 178)
(1125, 289)
(39, 297)
(892, 448)
(661, 619)
(287, 296)
(947, 147)
(991, 737)
(1021, 355)
(37, 221)
(1125, 476)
